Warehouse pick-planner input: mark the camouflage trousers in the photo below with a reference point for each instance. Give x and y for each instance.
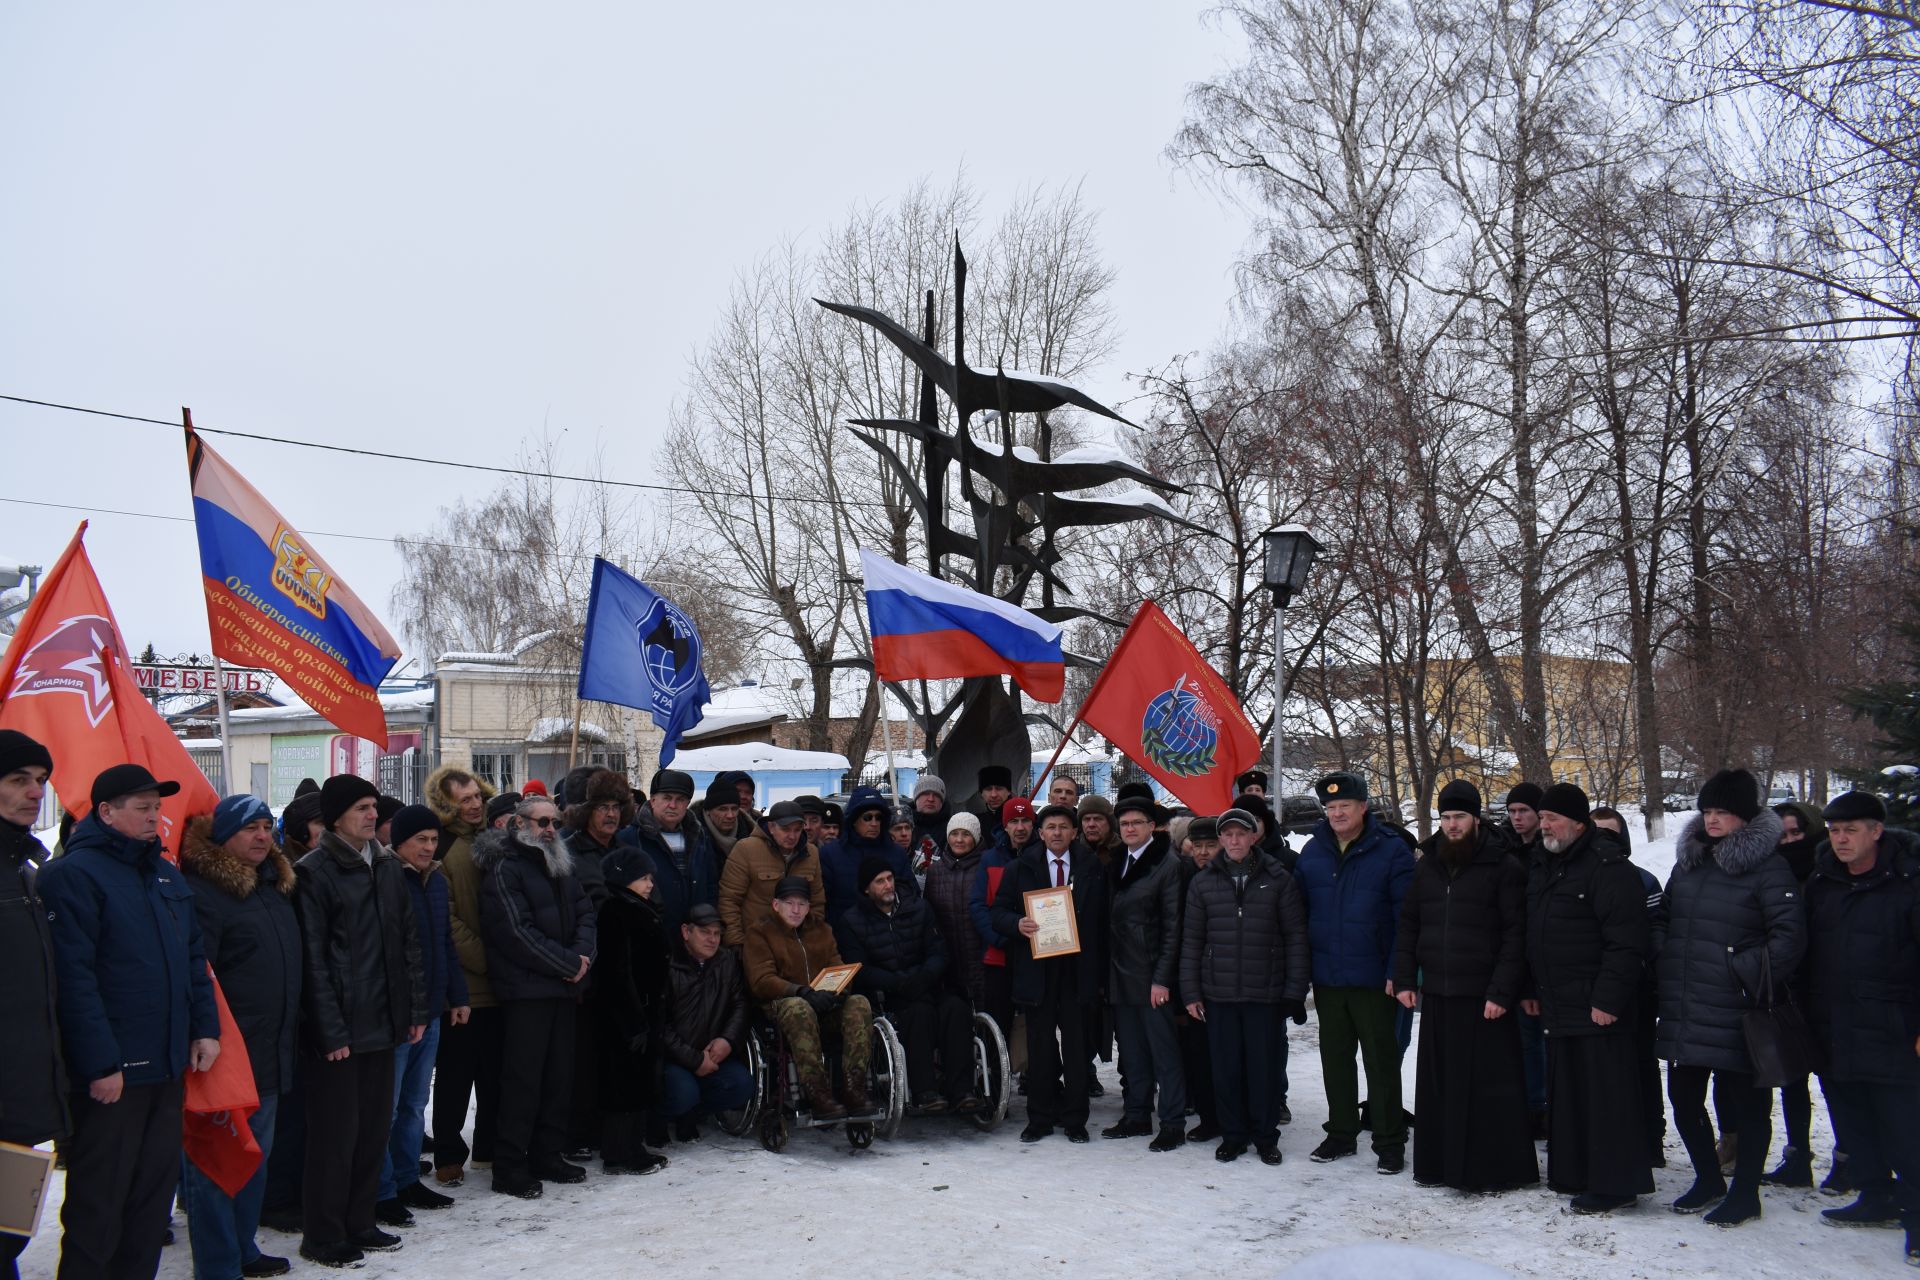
(852, 1021)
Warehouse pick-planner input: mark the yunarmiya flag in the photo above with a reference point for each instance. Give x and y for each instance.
(273, 602)
(1161, 703)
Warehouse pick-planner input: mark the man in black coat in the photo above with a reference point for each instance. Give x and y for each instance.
(1863, 954)
(903, 968)
(1245, 962)
(33, 1080)
(1054, 992)
(1143, 934)
(365, 992)
(705, 1026)
(1587, 942)
(243, 893)
(1460, 951)
(539, 928)
(1522, 829)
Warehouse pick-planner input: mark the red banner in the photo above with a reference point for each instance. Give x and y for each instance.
(1161, 703)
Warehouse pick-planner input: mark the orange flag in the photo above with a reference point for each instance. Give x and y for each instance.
(66, 684)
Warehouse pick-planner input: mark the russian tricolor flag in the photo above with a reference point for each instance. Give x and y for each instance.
(273, 602)
(926, 629)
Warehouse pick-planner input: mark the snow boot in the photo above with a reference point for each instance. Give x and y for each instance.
(1867, 1211)
(1794, 1170)
(1706, 1188)
(858, 1103)
(1839, 1178)
(1741, 1205)
(821, 1103)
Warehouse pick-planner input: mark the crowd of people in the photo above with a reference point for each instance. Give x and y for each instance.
(578, 973)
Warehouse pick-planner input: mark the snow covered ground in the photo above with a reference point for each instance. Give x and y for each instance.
(942, 1200)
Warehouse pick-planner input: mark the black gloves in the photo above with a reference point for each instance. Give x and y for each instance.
(821, 1002)
(1296, 1010)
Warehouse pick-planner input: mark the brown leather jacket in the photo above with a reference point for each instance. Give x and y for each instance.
(781, 961)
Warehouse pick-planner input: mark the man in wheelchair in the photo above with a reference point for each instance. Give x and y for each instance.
(903, 965)
(783, 955)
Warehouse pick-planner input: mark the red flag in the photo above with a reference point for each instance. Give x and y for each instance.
(65, 682)
(1161, 703)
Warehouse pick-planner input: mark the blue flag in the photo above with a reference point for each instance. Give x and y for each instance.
(642, 651)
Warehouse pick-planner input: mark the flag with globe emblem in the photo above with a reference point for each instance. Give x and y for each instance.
(641, 650)
(1162, 704)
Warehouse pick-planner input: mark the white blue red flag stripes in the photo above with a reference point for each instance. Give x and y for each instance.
(926, 629)
(641, 650)
(273, 602)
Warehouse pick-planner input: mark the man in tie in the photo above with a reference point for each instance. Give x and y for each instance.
(1054, 992)
(1144, 934)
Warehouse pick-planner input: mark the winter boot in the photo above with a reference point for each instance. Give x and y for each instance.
(1839, 1178)
(858, 1103)
(1867, 1211)
(1794, 1170)
(1707, 1188)
(821, 1103)
(1741, 1205)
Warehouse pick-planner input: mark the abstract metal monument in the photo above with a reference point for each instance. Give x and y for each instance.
(1019, 499)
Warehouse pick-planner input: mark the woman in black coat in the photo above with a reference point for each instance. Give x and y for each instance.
(625, 1004)
(1734, 922)
(1462, 944)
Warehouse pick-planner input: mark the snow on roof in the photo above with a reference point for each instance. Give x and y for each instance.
(508, 658)
(739, 707)
(756, 757)
(398, 700)
(1076, 753)
(553, 728)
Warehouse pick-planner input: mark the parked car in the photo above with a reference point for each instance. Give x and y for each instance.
(1300, 813)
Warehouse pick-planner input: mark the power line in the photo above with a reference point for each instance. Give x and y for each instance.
(448, 462)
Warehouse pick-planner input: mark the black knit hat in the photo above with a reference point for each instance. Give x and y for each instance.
(386, 806)
(721, 791)
(340, 793)
(1855, 806)
(625, 863)
(1735, 790)
(1459, 796)
(871, 867)
(1527, 794)
(300, 811)
(18, 751)
(1343, 785)
(1566, 800)
(410, 820)
(995, 775)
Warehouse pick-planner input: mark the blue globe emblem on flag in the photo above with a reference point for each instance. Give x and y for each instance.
(1180, 731)
(670, 652)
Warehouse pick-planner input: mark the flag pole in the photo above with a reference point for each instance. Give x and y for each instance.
(573, 743)
(227, 784)
(886, 728)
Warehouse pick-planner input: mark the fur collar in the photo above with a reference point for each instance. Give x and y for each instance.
(1149, 858)
(435, 792)
(1739, 853)
(200, 856)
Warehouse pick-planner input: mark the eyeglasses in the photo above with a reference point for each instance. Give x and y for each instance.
(544, 822)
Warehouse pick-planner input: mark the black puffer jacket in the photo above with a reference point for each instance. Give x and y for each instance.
(705, 1002)
(1143, 933)
(33, 1079)
(364, 984)
(1463, 928)
(1587, 934)
(1244, 939)
(900, 954)
(1725, 901)
(252, 938)
(536, 926)
(627, 998)
(1863, 950)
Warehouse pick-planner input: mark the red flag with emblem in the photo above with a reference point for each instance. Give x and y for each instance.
(66, 684)
(1161, 703)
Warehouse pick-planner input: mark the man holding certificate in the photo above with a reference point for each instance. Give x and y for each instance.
(1052, 906)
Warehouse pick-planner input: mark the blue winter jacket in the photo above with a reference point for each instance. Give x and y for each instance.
(133, 983)
(439, 963)
(840, 860)
(1353, 903)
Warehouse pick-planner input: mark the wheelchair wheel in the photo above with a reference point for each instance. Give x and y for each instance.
(739, 1124)
(992, 1072)
(891, 1089)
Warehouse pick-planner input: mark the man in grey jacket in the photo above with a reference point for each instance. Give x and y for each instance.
(1144, 946)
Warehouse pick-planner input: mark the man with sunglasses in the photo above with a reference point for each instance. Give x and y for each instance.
(865, 837)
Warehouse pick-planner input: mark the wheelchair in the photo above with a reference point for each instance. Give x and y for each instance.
(992, 1074)
(779, 1105)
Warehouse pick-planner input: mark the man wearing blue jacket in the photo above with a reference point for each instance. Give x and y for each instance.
(136, 1014)
(1354, 873)
(864, 836)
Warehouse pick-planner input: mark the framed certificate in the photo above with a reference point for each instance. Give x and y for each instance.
(1052, 910)
(23, 1187)
(835, 979)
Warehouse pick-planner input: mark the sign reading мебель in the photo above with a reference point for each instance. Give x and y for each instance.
(169, 678)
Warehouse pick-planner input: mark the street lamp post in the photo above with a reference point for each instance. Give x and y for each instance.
(1290, 549)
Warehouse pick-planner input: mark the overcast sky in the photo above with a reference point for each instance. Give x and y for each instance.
(431, 228)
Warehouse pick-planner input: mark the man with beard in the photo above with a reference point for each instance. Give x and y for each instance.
(1055, 992)
(761, 861)
(365, 987)
(1587, 941)
(469, 1060)
(540, 934)
(33, 1083)
(1523, 832)
(1144, 943)
(903, 966)
(930, 815)
(1462, 941)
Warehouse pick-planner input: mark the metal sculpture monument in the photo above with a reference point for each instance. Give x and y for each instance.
(1018, 498)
